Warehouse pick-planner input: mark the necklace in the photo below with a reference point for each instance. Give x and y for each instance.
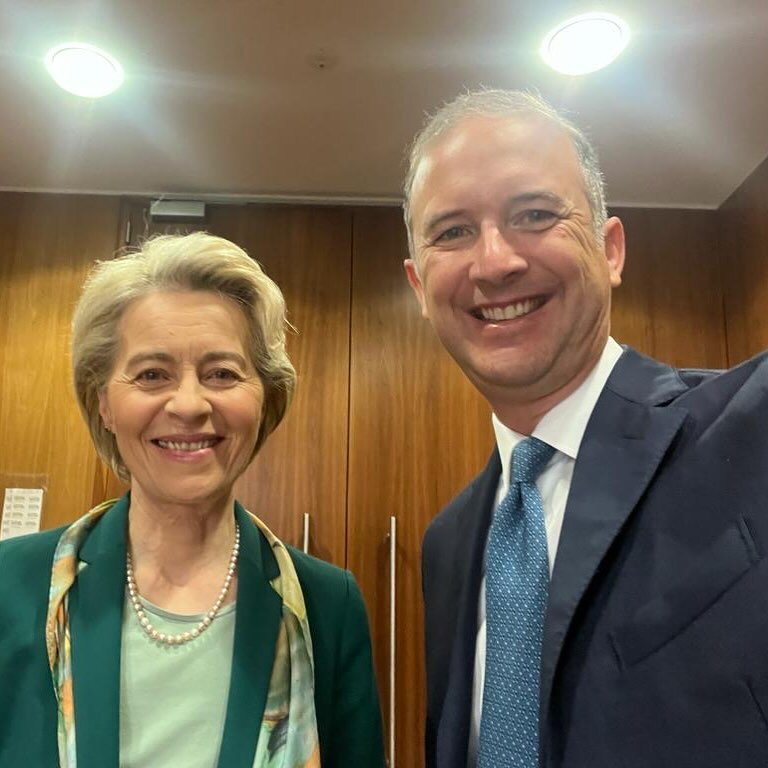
(183, 637)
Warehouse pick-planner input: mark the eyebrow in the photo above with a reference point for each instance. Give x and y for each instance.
(525, 197)
(165, 357)
(540, 194)
(435, 221)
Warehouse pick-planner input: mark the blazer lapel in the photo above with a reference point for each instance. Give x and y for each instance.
(256, 630)
(470, 537)
(626, 439)
(96, 610)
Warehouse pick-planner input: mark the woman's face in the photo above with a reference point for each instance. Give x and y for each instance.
(183, 400)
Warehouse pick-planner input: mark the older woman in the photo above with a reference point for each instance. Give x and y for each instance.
(171, 627)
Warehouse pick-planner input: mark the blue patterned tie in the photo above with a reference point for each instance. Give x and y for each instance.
(516, 588)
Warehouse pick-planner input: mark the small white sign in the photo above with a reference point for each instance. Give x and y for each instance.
(21, 511)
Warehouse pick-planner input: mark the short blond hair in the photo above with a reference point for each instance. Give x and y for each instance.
(195, 262)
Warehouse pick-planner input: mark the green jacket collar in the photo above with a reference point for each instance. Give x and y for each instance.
(96, 609)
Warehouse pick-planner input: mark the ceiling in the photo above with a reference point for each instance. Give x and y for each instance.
(272, 99)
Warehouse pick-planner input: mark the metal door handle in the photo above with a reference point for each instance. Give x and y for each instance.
(392, 634)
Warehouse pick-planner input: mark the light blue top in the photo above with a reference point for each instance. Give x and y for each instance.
(173, 699)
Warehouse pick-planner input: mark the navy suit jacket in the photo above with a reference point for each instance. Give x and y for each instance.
(655, 647)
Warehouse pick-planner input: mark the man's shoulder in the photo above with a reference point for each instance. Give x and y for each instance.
(647, 380)
(750, 376)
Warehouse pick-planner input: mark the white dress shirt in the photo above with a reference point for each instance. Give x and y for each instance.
(563, 428)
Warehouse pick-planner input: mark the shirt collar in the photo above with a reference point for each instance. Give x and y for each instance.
(562, 427)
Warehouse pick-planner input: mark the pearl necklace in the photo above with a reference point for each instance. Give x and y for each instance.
(183, 637)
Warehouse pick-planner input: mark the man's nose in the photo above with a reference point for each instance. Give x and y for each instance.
(189, 400)
(499, 256)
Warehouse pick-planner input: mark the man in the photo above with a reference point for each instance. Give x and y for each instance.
(608, 609)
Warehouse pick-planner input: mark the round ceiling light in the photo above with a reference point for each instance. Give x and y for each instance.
(84, 70)
(585, 43)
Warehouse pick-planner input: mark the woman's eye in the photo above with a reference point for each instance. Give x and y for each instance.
(224, 376)
(151, 376)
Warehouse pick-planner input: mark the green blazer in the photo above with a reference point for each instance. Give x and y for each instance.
(346, 700)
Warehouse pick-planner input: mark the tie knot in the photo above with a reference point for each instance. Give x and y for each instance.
(529, 459)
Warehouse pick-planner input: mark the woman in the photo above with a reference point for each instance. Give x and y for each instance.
(172, 628)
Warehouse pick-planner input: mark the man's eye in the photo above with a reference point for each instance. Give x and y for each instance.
(535, 219)
(452, 233)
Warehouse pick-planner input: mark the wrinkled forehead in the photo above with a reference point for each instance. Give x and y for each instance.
(527, 146)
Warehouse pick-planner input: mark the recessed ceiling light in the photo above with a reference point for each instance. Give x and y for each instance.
(585, 43)
(84, 70)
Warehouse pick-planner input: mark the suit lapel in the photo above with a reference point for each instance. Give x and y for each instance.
(469, 538)
(256, 629)
(96, 610)
(626, 439)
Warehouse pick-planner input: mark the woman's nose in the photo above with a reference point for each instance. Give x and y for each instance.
(189, 399)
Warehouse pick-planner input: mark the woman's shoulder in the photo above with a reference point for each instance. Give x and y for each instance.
(25, 561)
(30, 548)
(320, 576)
(331, 593)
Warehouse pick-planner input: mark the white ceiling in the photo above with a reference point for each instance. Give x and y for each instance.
(228, 97)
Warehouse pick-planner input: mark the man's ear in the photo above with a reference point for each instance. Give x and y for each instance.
(613, 242)
(411, 270)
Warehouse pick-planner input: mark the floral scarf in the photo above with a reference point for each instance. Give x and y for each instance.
(288, 735)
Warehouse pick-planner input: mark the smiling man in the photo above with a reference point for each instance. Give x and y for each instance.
(581, 592)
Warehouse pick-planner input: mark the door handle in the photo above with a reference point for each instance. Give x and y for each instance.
(305, 545)
(392, 634)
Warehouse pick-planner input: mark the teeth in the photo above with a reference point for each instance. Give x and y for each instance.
(180, 446)
(511, 311)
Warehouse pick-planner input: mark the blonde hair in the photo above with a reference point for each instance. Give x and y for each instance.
(195, 262)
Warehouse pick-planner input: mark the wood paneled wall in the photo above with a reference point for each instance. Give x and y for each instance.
(383, 425)
(47, 243)
(303, 465)
(418, 432)
(744, 265)
(670, 303)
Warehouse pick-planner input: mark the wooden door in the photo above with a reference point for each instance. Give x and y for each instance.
(418, 431)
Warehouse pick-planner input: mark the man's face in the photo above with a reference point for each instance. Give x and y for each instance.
(506, 265)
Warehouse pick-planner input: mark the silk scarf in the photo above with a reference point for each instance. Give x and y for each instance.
(288, 734)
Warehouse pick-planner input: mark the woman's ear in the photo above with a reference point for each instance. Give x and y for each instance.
(104, 411)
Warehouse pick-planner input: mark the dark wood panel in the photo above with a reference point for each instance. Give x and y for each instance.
(418, 433)
(670, 304)
(303, 465)
(744, 257)
(47, 243)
